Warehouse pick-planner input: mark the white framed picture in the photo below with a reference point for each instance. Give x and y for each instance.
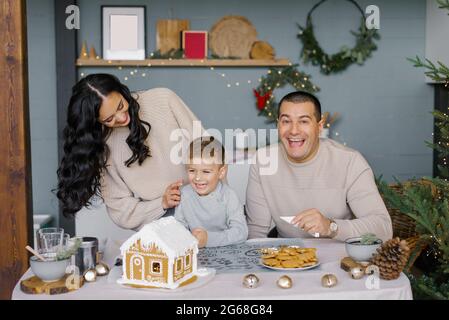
(123, 32)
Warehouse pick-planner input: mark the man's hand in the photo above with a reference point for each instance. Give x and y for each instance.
(172, 195)
(201, 235)
(313, 221)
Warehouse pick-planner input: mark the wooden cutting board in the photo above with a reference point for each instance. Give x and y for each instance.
(35, 285)
(168, 34)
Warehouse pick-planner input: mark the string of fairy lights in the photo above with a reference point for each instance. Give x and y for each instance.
(444, 160)
(128, 73)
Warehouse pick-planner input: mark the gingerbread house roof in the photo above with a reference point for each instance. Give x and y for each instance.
(167, 233)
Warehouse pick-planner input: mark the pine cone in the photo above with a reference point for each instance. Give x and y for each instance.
(391, 258)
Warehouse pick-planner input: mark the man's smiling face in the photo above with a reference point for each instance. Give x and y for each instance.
(299, 130)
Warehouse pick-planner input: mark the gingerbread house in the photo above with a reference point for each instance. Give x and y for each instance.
(162, 254)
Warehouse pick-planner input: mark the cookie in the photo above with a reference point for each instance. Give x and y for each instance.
(291, 264)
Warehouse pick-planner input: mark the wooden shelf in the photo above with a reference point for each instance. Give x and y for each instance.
(183, 63)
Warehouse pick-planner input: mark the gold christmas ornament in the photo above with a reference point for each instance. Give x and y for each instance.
(90, 275)
(329, 280)
(250, 281)
(285, 282)
(356, 273)
(102, 269)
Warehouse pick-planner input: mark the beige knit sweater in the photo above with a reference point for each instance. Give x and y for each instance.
(133, 196)
(337, 181)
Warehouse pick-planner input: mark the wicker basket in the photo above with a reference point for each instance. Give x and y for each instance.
(404, 227)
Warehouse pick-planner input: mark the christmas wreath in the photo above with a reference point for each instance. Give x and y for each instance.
(312, 51)
(278, 78)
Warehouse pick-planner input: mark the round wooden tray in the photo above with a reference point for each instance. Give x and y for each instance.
(232, 36)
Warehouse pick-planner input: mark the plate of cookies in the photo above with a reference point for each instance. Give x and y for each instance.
(291, 258)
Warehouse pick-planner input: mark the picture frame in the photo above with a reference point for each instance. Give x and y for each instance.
(123, 32)
(194, 44)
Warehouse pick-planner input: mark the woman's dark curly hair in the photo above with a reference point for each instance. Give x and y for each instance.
(85, 149)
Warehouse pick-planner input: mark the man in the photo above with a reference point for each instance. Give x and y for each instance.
(328, 188)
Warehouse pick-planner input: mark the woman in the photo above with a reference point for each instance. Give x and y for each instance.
(117, 147)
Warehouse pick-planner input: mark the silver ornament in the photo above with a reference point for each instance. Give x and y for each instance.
(102, 269)
(285, 282)
(90, 275)
(250, 281)
(329, 280)
(356, 273)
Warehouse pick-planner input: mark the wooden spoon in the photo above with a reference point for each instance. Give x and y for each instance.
(35, 253)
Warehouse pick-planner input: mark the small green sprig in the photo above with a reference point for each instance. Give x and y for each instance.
(171, 54)
(368, 239)
(69, 250)
(443, 4)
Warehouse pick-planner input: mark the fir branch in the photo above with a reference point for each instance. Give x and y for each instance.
(443, 4)
(425, 201)
(438, 73)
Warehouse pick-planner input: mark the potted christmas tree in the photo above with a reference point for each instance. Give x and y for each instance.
(426, 201)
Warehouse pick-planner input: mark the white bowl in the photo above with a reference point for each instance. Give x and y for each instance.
(49, 271)
(361, 252)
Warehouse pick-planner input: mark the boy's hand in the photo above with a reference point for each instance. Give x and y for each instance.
(172, 195)
(201, 235)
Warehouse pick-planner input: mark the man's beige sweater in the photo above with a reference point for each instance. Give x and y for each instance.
(337, 181)
(133, 196)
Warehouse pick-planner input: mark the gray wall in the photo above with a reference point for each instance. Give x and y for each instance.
(42, 97)
(385, 105)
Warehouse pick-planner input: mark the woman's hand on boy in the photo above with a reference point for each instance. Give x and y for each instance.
(172, 195)
(201, 236)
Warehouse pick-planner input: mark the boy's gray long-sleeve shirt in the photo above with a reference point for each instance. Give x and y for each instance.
(220, 213)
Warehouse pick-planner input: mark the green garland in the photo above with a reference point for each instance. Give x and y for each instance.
(171, 54)
(312, 51)
(277, 78)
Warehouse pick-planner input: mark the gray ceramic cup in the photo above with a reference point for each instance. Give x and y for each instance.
(49, 271)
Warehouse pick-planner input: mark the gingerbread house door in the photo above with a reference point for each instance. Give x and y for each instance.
(137, 268)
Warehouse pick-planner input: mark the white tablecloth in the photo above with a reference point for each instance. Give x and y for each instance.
(228, 286)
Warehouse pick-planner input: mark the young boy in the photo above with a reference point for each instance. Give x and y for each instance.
(209, 208)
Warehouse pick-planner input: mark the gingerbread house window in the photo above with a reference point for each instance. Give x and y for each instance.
(156, 267)
(178, 265)
(188, 261)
